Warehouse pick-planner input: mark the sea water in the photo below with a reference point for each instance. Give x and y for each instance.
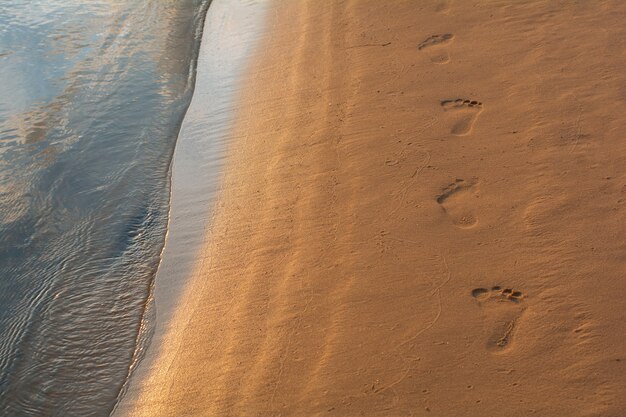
(92, 96)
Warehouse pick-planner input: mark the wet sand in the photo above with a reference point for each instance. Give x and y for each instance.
(422, 214)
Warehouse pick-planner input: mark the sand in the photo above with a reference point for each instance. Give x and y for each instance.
(423, 214)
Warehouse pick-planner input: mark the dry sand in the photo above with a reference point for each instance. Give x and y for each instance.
(423, 214)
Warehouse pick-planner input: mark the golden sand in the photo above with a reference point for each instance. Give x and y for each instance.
(423, 214)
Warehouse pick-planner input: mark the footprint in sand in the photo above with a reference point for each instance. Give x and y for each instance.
(433, 44)
(502, 309)
(456, 201)
(463, 114)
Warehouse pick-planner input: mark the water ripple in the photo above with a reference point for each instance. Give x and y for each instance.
(87, 129)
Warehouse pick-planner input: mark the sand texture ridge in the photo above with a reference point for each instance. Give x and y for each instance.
(423, 214)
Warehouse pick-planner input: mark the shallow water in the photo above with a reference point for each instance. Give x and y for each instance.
(92, 98)
(231, 35)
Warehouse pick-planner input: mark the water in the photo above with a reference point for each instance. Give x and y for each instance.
(92, 94)
(233, 29)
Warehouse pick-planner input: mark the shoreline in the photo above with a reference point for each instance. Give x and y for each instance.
(196, 173)
(145, 329)
(412, 219)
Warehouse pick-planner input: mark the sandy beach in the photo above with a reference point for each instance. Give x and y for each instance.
(423, 213)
